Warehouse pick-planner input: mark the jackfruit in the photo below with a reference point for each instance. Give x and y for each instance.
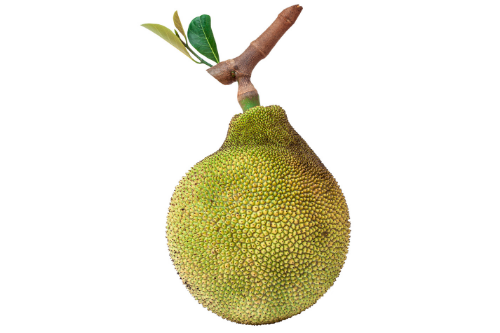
(259, 230)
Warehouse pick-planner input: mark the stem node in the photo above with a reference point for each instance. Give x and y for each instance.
(240, 68)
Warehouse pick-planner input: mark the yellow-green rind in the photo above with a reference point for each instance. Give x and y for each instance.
(259, 230)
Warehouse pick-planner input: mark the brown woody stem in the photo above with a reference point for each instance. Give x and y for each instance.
(240, 68)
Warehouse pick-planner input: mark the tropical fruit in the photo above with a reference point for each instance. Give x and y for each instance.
(259, 230)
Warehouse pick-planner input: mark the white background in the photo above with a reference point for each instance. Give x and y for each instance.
(100, 119)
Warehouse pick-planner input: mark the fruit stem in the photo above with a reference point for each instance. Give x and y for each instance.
(240, 68)
(249, 102)
(248, 96)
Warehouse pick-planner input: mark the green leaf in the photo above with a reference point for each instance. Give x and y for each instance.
(169, 36)
(202, 38)
(178, 25)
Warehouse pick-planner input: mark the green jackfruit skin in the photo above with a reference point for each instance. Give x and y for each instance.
(259, 230)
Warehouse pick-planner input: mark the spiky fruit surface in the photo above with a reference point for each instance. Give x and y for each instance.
(259, 230)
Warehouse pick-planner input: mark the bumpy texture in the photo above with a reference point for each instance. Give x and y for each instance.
(259, 230)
